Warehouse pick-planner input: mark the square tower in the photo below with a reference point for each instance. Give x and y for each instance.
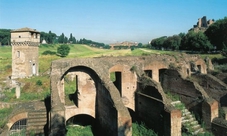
(25, 52)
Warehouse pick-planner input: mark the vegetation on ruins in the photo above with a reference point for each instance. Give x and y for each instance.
(141, 130)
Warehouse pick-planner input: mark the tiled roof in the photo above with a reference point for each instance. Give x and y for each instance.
(25, 29)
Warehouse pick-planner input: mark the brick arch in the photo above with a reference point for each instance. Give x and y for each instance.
(200, 63)
(126, 83)
(118, 67)
(70, 112)
(109, 111)
(155, 67)
(80, 68)
(16, 118)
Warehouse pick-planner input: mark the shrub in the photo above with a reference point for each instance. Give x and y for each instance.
(39, 83)
(48, 52)
(142, 130)
(63, 50)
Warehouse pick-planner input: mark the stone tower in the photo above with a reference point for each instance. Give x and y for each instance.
(25, 52)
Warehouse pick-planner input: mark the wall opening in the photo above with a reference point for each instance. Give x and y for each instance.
(117, 80)
(19, 127)
(18, 54)
(71, 89)
(199, 68)
(152, 91)
(161, 72)
(188, 72)
(148, 73)
(33, 69)
(83, 123)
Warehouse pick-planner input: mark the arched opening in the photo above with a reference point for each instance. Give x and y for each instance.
(81, 124)
(81, 119)
(79, 88)
(19, 127)
(116, 77)
(71, 89)
(148, 73)
(199, 68)
(161, 73)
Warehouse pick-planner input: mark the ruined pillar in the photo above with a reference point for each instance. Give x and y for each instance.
(155, 75)
(209, 112)
(172, 122)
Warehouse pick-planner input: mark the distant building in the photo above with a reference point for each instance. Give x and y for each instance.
(25, 52)
(125, 43)
(202, 24)
(44, 41)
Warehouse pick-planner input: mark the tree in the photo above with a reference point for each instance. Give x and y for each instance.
(74, 40)
(196, 42)
(63, 50)
(172, 42)
(71, 38)
(140, 45)
(224, 51)
(5, 36)
(158, 42)
(65, 40)
(48, 37)
(217, 33)
(61, 38)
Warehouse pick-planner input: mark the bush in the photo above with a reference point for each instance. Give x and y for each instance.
(142, 130)
(39, 83)
(63, 50)
(48, 52)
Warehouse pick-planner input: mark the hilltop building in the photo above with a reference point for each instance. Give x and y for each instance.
(202, 24)
(25, 52)
(125, 43)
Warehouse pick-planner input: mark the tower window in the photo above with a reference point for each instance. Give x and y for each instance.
(18, 54)
(19, 36)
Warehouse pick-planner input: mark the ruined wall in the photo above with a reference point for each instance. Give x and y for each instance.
(152, 112)
(128, 83)
(219, 127)
(192, 95)
(110, 112)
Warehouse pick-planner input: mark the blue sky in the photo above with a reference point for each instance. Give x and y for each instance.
(110, 21)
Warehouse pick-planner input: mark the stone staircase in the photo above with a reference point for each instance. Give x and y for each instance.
(36, 122)
(189, 122)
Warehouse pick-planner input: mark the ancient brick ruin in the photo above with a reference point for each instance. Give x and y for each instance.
(202, 24)
(138, 93)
